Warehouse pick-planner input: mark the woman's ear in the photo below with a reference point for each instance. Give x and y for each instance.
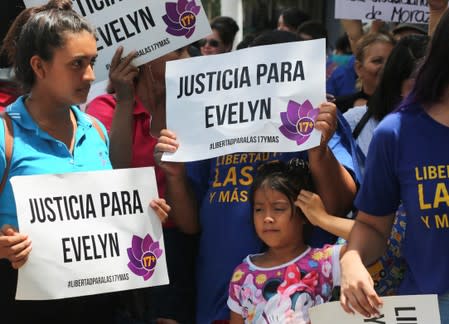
(37, 64)
(358, 68)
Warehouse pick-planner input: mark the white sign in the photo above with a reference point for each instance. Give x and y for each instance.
(259, 99)
(417, 309)
(152, 28)
(91, 233)
(397, 11)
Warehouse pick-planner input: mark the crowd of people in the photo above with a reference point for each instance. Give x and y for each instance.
(361, 216)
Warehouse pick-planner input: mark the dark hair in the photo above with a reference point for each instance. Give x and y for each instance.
(294, 17)
(401, 64)
(39, 31)
(246, 41)
(342, 44)
(275, 37)
(314, 28)
(433, 77)
(287, 178)
(226, 28)
(9, 11)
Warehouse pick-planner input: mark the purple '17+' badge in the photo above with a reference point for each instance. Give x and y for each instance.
(181, 17)
(299, 121)
(143, 255)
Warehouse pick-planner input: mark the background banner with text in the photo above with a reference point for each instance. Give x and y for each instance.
(415, 11)
(152, 28)
(91, 233)
(259, 99)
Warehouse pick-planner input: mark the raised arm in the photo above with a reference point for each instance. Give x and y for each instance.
(333, 182)
(179, 194)
(121, 75)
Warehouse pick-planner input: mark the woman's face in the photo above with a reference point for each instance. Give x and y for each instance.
(274, 219)
(67, 77)
(213, 44)
(369, 69)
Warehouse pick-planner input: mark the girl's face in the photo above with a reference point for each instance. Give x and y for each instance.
(275, 221)
(213, 44)
(67, 77)
(374, 59)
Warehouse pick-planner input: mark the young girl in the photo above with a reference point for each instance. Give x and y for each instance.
(281, 284)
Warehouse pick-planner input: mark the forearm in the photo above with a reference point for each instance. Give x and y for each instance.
(367, 241)
(337, 226)
(121, 135)
(180, 197)
(333, 183)
(354, 30)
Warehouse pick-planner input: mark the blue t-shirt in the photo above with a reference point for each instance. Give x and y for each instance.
(36, 152)
(408, 161)
(343, 79)
(227, 230)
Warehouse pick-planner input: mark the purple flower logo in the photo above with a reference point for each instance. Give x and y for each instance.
(299, 121)
(181, 17)
(143, 255)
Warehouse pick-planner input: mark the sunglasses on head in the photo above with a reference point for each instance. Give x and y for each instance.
(211, 42)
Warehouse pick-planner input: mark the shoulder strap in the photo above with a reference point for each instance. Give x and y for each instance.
(9, 143)
(361, 124)
(97, 127)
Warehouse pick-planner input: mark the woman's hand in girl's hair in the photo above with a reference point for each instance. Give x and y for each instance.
(326, 122)
(14, 246)
(312, 206)
(357, 287)
(167, 143)
(161, 208)
(122, 74)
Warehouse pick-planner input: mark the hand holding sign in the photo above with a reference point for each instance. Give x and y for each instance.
(326, 122)
(437, 5)
(167, 142)
(14, 246)
(161, 208)
(357, 287)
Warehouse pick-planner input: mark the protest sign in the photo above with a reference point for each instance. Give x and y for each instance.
(416, 309)
(260, 99)
(91, 233)
(407, 11)
(152, 28)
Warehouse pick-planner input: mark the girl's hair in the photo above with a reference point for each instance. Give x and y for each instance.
(400, 66)
(287, 178)
(226, 28)
(433, 77)
(38, 31)
(369, 39)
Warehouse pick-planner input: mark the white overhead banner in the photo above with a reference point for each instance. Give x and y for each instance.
(407, 11)
(417, 309)
(152, 28)
(259, 99)
(91, 233)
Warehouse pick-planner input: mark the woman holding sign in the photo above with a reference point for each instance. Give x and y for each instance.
(405, 164)
(53, 57)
